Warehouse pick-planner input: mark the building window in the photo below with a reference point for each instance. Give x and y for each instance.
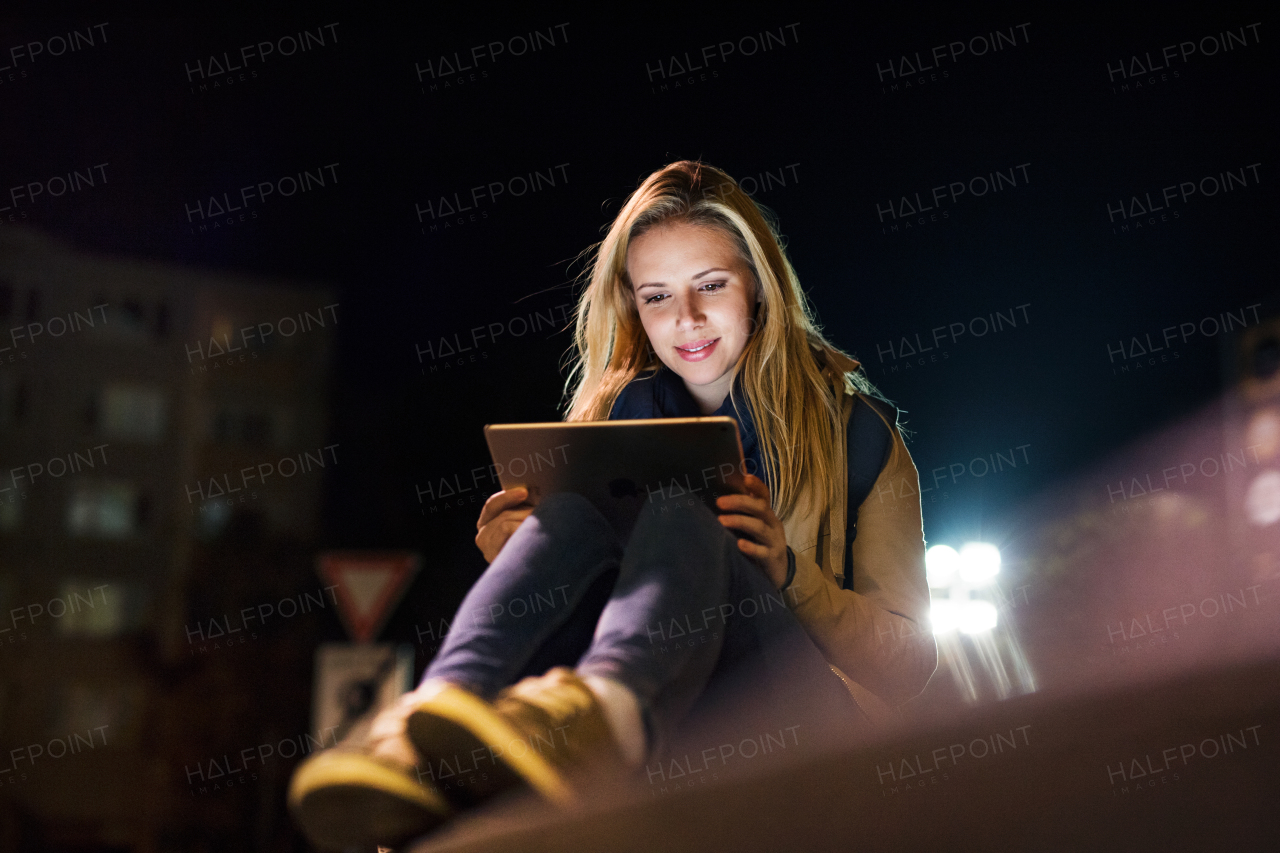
(256, 428)
(130, 412)
(235, 425)
(33, 306)
(10, 512)
(93, 608)
(135, 319)
(13, 401)
(162, 321)
(214, 516)
(131, 317)
(106, 509)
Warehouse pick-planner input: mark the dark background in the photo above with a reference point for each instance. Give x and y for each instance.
(817, 103)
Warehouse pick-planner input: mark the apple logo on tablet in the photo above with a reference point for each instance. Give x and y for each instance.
(622, 488)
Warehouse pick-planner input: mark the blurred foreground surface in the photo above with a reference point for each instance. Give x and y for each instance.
(1185, 764)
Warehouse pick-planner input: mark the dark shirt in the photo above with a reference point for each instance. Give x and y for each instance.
(664, 395)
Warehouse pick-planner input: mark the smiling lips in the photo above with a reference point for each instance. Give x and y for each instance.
(697, 350)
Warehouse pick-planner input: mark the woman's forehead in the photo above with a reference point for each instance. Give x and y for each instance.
(681, 239)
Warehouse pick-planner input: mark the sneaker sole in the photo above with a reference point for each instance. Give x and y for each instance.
(343, 801)
(454, 724)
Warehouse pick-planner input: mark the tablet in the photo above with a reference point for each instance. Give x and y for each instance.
(622, 466)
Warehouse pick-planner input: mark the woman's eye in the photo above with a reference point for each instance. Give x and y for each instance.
(715, 286)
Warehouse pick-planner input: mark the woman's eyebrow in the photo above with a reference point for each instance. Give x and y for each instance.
(699, 275)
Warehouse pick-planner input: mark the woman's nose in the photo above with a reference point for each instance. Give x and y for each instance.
(689, 312)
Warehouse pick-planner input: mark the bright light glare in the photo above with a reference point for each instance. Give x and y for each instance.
(944, 616)
(976, 617)
(979, 562)
(1262, 502)
(940, 564)
(970, 617)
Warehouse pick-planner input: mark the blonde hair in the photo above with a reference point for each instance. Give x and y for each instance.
(788, 368)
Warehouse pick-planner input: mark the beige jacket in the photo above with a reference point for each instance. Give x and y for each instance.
(876, 635)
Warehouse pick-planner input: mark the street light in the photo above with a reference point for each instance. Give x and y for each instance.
(974, 566)
(979, 563)
(941, 562)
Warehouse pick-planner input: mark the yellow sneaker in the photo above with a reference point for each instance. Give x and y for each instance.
(548, 732)
(367, 791)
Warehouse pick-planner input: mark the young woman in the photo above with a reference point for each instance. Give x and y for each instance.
(684, 622)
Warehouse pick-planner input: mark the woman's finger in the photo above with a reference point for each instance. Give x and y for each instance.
(485, 544)
(742, 503)
(493, 537)
(498, 502)
(492, 506)
(757, 486)
(749, 525)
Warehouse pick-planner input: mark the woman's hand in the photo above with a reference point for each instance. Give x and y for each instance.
(503, 512)
(753, 517)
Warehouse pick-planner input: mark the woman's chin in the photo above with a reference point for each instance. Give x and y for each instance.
(701, 373)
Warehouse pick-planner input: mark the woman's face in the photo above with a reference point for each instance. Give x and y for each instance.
(696, 299)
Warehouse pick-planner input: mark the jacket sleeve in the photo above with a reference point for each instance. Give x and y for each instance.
(878, 632)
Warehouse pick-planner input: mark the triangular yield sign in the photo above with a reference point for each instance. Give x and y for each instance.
(368, 585)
